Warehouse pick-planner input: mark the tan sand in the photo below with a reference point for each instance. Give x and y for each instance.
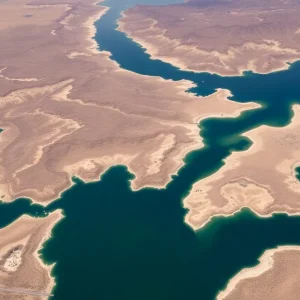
(259, 178)
(274, 278)
(85, 114)
(82, 115)
(226, 39)
(21, 270)
(15, 79)
(11, 296)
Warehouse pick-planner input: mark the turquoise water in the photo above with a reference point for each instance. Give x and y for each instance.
(117, 244)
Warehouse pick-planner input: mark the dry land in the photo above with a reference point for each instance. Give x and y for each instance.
(22, 273)
(226, 37)
(261, 178)
(68, 110)
(229, 37)
(273, 279)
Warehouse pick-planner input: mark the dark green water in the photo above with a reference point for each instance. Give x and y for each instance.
(297, 170)
(117, 244)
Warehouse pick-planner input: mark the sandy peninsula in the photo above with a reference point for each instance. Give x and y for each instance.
(22, 273)
(260, 178)
(74, 112)
(223, 37)
(272, 279)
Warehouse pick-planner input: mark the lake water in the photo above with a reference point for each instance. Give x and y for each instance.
(117, 244)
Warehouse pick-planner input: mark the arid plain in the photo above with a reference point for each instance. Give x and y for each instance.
(224, 37)
(261, 178)
(68, 110)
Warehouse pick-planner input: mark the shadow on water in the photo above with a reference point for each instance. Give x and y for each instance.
(117, 244)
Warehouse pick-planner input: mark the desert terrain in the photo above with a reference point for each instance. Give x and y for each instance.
(261, 178)
(67, 110)
(22, 273)
(272, 279)
(226, 37)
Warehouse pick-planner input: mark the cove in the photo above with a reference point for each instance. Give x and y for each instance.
(135, 245)
(117, 244)
(275, 91)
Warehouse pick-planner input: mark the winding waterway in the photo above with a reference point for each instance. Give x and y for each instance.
(117, 244)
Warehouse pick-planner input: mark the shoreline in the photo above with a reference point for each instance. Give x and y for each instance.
(266, 262)
(47, 237)
(262, 216)
(183, 86)
(221, 95)
(194, 131)
(230, 163)
(153, 51)
(200, 145)
(27, 235)
(92, 29)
